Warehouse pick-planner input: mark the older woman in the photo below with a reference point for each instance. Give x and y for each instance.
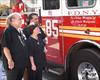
(36, 55)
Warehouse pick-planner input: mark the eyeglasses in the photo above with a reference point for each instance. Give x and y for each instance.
(19, 19)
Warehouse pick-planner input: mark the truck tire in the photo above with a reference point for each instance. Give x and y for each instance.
(85, 65)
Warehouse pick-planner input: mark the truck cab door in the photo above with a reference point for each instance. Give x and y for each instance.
(51, 21)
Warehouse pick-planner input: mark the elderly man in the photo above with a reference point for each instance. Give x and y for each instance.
(15, 53)
(33, 21)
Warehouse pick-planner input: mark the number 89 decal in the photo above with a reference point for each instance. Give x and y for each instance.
(51, 29)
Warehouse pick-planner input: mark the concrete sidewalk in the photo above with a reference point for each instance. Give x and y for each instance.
(2, 71)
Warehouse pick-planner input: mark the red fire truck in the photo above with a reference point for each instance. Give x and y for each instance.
(73, 36)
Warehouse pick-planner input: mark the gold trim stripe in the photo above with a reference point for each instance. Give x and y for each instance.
(2, 26)
(80, 36)
(2, 21)
(79, 28)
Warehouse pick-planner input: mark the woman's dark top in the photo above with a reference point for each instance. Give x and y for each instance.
(27, 31)
(13, 40)
(36, 51)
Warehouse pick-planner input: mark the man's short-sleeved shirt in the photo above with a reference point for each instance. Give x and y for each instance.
(18, 49)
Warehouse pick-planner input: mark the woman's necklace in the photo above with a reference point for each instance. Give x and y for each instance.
(35, 37)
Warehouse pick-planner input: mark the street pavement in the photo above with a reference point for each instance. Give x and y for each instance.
(50, 76)
(2, 72)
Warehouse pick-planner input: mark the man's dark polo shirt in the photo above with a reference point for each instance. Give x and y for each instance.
(12, 40)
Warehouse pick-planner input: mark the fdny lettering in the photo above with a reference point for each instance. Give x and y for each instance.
(83, 12)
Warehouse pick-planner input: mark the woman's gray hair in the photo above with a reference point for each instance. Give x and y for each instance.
(10, 17)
